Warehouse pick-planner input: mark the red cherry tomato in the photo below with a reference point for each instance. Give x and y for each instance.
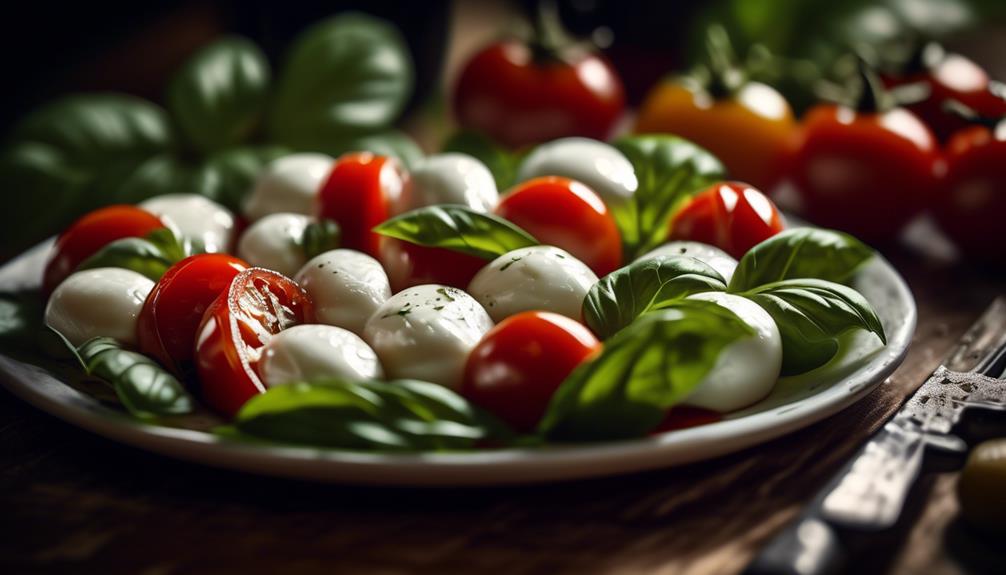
(569, 215)
(865, 173)
(410, 265)
(732, 216)
(258, 304)
(92, 232)
(361, 191)
(518, 98)
(516, 368)
(166, 328)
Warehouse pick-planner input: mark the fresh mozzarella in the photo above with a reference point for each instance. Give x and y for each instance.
(346, 286)
(535, 278)
(600, 166)
(716, 258)
(312, 352)
(426, 332)
(453, 179)
(100, 302)
(274, 243)
(196, 217)
(289, 184)
(747, 369)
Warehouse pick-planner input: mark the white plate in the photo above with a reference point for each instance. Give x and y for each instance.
(793, 404)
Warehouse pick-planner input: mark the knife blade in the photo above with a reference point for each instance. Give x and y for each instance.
(868, 495)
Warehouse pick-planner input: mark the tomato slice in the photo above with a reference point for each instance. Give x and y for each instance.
(92, 232)
(258, 304)
(732, 216)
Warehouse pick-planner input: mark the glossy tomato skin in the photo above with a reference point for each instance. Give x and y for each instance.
(972, 201)
(410, 265)
(519, 100)
(166, 328)
(751, 132)
(732, 216)
(519, 364)
(257, 304)
(90, 233)
(867, 174)
(361, 191)
(567, 214)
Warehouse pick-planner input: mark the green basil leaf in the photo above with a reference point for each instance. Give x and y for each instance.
(219, 96)
(648, 284)
(502, 163)
(393, 416)
(349, 74)
(648, 367)
(800, 253)
(811, 315)
(319, 237)
(669, 170)
(150, 256)
(459, 229)
(145, 388)
(228, 177)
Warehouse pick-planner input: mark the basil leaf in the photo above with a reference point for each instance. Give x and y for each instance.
(502, 163)
(393, 143)
(228, 177)
(800, 253)
(349, 74)
(393, 416)
(459, 229)
(811, 314)
(648, 284)
(145, 388)
(648, 367)
(669, 170)
(150, 256)
(219, 96)
(319, 237)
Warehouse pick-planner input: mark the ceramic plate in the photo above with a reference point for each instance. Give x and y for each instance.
(794, 403)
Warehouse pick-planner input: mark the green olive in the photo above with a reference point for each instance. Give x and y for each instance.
(982, 487)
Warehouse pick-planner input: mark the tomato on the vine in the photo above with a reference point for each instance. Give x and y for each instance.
(732, 216)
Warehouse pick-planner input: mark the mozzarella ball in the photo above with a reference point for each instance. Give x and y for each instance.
(713, 256)
(196, 217)
(289, 184)
(426, 332)
(536, 278)
(100, 302)
(313, 352)
(346, 286)
(453, 179)
(274, 243)
(747, 369)
(600, 166)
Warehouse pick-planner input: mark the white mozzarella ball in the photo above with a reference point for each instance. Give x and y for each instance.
(600, 166)
(453, 178)
(716, 258)
(100, 302)
(313, 352)
(289, 184)
(274, 243)
(536, 278)
(747, 369)
(196, 217)
(426, 332)
(346, 286)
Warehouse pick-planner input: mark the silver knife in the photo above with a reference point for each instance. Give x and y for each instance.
(959, 405)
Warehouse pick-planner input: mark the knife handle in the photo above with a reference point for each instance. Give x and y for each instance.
(810, 547)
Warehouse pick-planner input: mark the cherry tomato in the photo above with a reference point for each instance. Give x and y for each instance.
(92, 232)
(520, 97)
(732, 216)
(166, 328)
(258, 304)
(567, 214)
(516, 368)
(362, 191)
(410, 265)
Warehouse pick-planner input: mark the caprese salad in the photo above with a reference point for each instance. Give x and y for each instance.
(614, 291)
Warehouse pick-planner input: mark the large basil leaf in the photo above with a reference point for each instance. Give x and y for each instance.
(219, 97)
(648, 284)
(669, 170)
(349, 74)
(801, 253)
(457, 228)
(502, 163)
(150, 256)
(227, 177)
(811, 314)
(393, 143)
(648, 367)
(392, 416)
